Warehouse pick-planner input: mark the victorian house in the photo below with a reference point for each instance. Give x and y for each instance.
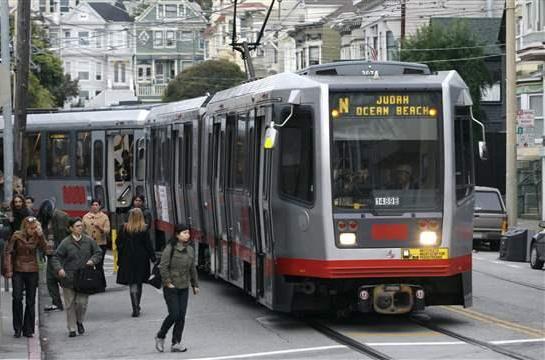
(95, 44)
(168, 39)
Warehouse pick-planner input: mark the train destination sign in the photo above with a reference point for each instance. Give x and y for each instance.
(383, 105)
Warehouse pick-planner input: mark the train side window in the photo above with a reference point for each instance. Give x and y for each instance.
(296, 176)
(167, 153)
(123, 157)
(463, 152)
(140, 159)
(31, 150)
(83, 154)
(188, 153)
(239, 153)
(2, 157)
(58, 154)
(98, 149)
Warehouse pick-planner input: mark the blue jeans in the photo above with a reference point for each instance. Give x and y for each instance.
(27, 281)
(176, 300)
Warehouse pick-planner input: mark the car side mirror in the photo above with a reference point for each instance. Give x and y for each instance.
(541, 224)
(483, 150)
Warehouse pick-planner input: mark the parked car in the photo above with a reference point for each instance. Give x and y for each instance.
(537, 248)
(489, 219)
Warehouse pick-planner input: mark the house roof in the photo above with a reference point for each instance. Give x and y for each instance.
(110, 12)
(484, 29)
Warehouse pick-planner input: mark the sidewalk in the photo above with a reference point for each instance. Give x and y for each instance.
(11, 347)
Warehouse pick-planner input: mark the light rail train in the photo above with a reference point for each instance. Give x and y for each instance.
(348, 186)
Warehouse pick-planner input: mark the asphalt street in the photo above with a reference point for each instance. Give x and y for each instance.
(223, 323)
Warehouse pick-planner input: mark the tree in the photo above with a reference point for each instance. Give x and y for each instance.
(450, 44)
(209, 76)
(47, 68)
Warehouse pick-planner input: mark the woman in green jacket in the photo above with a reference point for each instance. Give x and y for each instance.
(178, 272)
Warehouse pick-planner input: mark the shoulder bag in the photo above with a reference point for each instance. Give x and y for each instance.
(155, 279)
(88, 280)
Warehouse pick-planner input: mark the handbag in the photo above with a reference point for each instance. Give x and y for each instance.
(155, 279)
(88, 280)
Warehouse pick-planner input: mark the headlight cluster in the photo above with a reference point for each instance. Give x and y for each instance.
(428, 238)
(347, 239)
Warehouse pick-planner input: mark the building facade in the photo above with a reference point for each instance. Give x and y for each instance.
(95, 45)
(168, 39)
(530, 45)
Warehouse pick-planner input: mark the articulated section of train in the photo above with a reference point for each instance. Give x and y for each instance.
(346, 187)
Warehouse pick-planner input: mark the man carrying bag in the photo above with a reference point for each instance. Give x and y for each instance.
(74, 253)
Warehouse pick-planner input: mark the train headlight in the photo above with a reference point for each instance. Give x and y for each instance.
(428, 238)
(347, 239)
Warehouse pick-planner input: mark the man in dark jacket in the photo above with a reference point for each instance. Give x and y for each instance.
(55, 222)
(75, 251)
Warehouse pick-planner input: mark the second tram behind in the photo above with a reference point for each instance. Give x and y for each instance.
(347, 186)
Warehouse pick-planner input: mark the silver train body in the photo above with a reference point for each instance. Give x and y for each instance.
(362, 199)
(75, 156)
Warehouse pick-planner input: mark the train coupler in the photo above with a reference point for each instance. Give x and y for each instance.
(390, 298)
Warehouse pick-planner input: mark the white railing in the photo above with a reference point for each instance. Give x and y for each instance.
(151, 90)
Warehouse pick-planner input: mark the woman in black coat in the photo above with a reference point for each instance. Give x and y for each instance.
(134, 254)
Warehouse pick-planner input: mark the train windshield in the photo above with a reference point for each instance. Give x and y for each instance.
(386, 155)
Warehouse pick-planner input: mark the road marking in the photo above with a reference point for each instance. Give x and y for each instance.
(501, 342)
(431, 343)
(270, 353)
(375, 333)
(493, 320)
(513, 266)
(428, 343)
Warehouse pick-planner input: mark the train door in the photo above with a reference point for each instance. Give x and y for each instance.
(206, 183)
(230, 134)
(264, 217)
(218, 198)
(191, 162)
(98, 170)
(139, 168)
(179, 179)
(119, 172)
(253, 191)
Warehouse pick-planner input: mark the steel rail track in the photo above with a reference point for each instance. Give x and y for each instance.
(345, 340)
(472, 341)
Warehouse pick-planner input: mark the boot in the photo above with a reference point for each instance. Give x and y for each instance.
(138, 298)
(135, 310)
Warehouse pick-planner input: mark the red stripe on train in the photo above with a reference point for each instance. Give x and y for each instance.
(332, 269)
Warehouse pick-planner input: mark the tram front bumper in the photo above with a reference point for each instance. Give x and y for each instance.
(390, 298)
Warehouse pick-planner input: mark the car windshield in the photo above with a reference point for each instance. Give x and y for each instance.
(386, 157)
(488, 201)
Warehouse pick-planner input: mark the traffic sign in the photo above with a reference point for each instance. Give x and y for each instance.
(525, 118)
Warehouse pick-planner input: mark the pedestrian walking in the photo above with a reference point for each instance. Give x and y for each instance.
(29, 203)
(21, 264)
(55, 224)
(178, 272)
(139, 201)
(134, 254)
(75, 251)
(19, 211)
(97, 225)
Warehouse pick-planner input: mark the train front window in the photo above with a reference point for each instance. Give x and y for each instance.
(386, 154)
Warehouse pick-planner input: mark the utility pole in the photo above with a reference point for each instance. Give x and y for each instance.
(5, 95)
(403, 13)
(22, 65)
(510, 120)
